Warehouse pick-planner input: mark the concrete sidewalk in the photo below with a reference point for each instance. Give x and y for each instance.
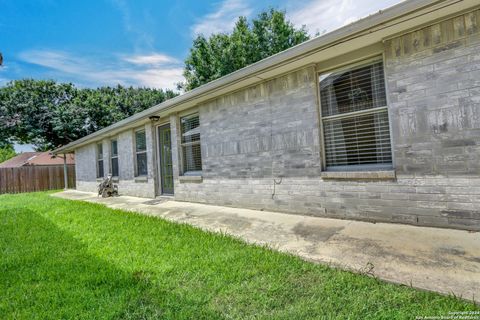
(443, 260)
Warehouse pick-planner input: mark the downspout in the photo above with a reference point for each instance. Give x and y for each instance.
(65, 177)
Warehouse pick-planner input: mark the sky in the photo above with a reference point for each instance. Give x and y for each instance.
(140, 43)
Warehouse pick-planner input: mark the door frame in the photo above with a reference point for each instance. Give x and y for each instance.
(159, 162)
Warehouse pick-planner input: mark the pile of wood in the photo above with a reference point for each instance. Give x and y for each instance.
(107, 188)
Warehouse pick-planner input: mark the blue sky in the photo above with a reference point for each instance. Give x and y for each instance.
(141, 43)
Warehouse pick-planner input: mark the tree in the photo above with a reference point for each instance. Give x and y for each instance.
(222, 53)
(49, 114)
(7, 152)
(31, 111)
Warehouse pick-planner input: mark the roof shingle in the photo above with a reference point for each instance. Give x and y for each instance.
(35, 159)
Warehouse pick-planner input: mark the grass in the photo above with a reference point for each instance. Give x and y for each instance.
(63, 259)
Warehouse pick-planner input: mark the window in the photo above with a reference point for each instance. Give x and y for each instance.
(114, 158)
(141, 153)
(355, 118)
(99, 160)
(192, 156)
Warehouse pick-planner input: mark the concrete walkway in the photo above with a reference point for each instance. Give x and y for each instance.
(442, 260)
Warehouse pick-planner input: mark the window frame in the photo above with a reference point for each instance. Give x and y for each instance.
(183, 172)
(136, 153)
(99, 158)
(377, 57)
(112, 157)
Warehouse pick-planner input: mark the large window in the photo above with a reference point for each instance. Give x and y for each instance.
(114, 158)
(191, 151)
(99, 160)
(355, 118)
(141, 153)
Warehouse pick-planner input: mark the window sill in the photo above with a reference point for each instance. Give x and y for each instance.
(115, 179)
(99, 179)
(196, 179)
(359, 175)
(141, 179)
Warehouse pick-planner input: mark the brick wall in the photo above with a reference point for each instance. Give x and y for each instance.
(128, 184)
(267, 130)
(260, 145)
(433, 77)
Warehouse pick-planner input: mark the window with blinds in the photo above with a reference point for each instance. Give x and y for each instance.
(191, 151)
(355, 118)
(141, 153)
(114, 158)
(99, 160)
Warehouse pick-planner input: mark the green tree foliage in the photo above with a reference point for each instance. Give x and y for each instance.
(222, 53)
(6, 152)
(49, 114)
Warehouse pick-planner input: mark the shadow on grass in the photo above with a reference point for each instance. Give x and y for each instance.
(46, 273)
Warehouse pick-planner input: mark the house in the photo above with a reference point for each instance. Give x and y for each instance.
(36, 159)
(378, 120)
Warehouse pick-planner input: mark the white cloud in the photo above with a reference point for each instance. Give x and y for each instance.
(222, 19)
(327, 15)
(155, 70)
(150, 59)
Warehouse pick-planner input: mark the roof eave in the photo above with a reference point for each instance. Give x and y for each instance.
(303, 49)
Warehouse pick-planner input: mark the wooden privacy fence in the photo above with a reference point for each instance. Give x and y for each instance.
(35, 178)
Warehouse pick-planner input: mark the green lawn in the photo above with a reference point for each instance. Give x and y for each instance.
(63, 259)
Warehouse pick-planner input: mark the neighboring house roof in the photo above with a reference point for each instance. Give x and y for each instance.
(36, 159)
(367, 31)
(18, 160)
(45, 158)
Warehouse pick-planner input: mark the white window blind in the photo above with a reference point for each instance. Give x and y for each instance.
(141, 153)
(114, 158)
(99, 160)
(355, 118)
(191, 150)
